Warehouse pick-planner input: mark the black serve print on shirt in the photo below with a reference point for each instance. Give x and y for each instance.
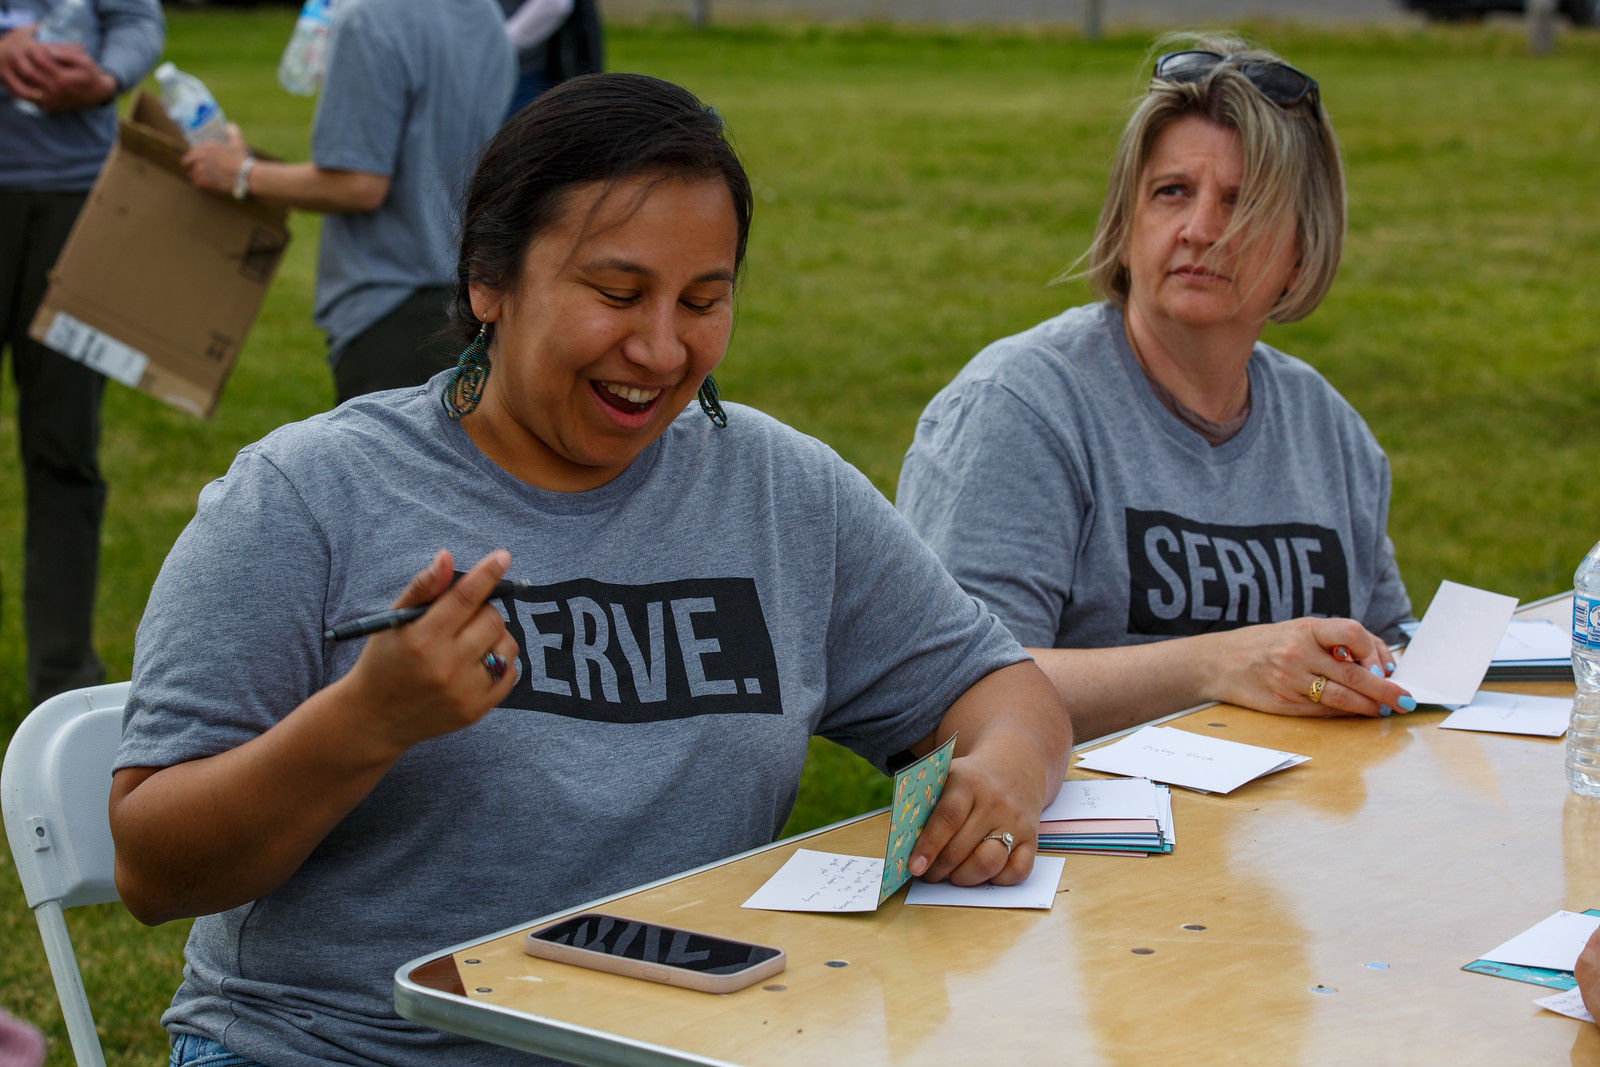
(1187, 577)
(643, 653)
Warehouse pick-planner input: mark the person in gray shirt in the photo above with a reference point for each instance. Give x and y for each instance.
(58, 118)
(701, 596)
(1163, 509)
(412, 90)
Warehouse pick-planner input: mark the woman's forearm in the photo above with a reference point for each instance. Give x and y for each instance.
(1110, 689)
(214, 833)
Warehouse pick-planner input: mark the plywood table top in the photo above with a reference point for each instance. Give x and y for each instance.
(1320, 915)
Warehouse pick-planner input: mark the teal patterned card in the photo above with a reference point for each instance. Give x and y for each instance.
(916, 791)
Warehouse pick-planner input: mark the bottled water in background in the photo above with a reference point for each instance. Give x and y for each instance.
(191, 106)
(1583, 735)
(67, 23)
(300, 71)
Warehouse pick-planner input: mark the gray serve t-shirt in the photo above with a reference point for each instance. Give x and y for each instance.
(413, 90)
(1059, 491)
(692, 624)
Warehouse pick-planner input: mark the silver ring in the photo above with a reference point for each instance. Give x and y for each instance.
(495, 664)
(1004, 838)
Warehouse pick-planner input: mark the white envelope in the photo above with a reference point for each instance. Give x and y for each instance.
(1512, 713)
(1553, 943)
(1038, 890)
(1454, 644)
(1195, 761)
(1098, 798)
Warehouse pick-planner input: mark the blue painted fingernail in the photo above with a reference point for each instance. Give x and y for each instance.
(1389, 667)
(1408, 703)
(1375, 669)
(1385, 710)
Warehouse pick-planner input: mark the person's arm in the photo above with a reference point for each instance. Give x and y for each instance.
(132, 34)
(1269, 667)
(1587, 973)
(299, 185)
(1010, 757)
(214, 833)
(534, 21)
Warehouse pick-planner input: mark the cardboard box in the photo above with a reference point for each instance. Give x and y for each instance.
(159, 282)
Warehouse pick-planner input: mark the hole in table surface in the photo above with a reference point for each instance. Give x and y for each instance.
(837, 963)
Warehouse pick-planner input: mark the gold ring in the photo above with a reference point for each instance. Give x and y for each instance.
(1316, 689)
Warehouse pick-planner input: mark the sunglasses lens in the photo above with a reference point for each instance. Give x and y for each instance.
(1278, 83)
(1186, 66)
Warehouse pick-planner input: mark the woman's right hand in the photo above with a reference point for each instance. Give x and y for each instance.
(432, 676)
(1273, 667)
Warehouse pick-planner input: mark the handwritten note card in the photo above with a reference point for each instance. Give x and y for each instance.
(828, 881)
(1195, 761)
(1447, 659)
(1512, 713)
(1554, 942)
(821, 881)
(1569, 1003)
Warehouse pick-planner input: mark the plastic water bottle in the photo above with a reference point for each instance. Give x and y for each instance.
(300, 71)
(1583, 733)
(191, 106)
(67, 23)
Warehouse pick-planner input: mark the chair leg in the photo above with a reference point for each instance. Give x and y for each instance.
(69, 985)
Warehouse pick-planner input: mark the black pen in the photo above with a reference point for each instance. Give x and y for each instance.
(367, 625)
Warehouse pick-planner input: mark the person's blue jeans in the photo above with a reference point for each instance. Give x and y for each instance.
(191, 1051)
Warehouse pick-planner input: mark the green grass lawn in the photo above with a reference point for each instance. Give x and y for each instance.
(916, 191)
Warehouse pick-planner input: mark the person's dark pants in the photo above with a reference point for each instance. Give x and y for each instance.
(406, 347)
(58, 426)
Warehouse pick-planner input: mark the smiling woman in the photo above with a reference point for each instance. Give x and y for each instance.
(1165, 510)
(695, 599)
(619, 315)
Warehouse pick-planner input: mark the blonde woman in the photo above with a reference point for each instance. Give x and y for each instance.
(1162, 508)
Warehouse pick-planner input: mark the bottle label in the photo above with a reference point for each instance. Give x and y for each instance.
(204, 112)
(1586, 623)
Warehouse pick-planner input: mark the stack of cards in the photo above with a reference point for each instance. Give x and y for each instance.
(1120, 817)
(1532, 650)
(1194, 761)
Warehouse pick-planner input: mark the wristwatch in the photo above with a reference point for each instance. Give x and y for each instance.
(241, 180)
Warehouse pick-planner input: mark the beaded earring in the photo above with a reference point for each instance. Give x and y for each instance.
(465, 388)
(709, 404)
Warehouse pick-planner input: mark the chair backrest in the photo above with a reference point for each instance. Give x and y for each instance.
(55, 787)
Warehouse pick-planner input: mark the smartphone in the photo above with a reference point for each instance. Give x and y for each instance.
(665, 954)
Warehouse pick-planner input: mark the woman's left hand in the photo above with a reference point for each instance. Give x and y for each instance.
(1011, 755)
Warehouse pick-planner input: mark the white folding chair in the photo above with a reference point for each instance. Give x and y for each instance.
(55, 787)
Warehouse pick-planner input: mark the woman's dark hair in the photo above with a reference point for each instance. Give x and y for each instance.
(592, 128)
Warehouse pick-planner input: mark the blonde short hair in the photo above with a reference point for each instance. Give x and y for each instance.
(1292, 171)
